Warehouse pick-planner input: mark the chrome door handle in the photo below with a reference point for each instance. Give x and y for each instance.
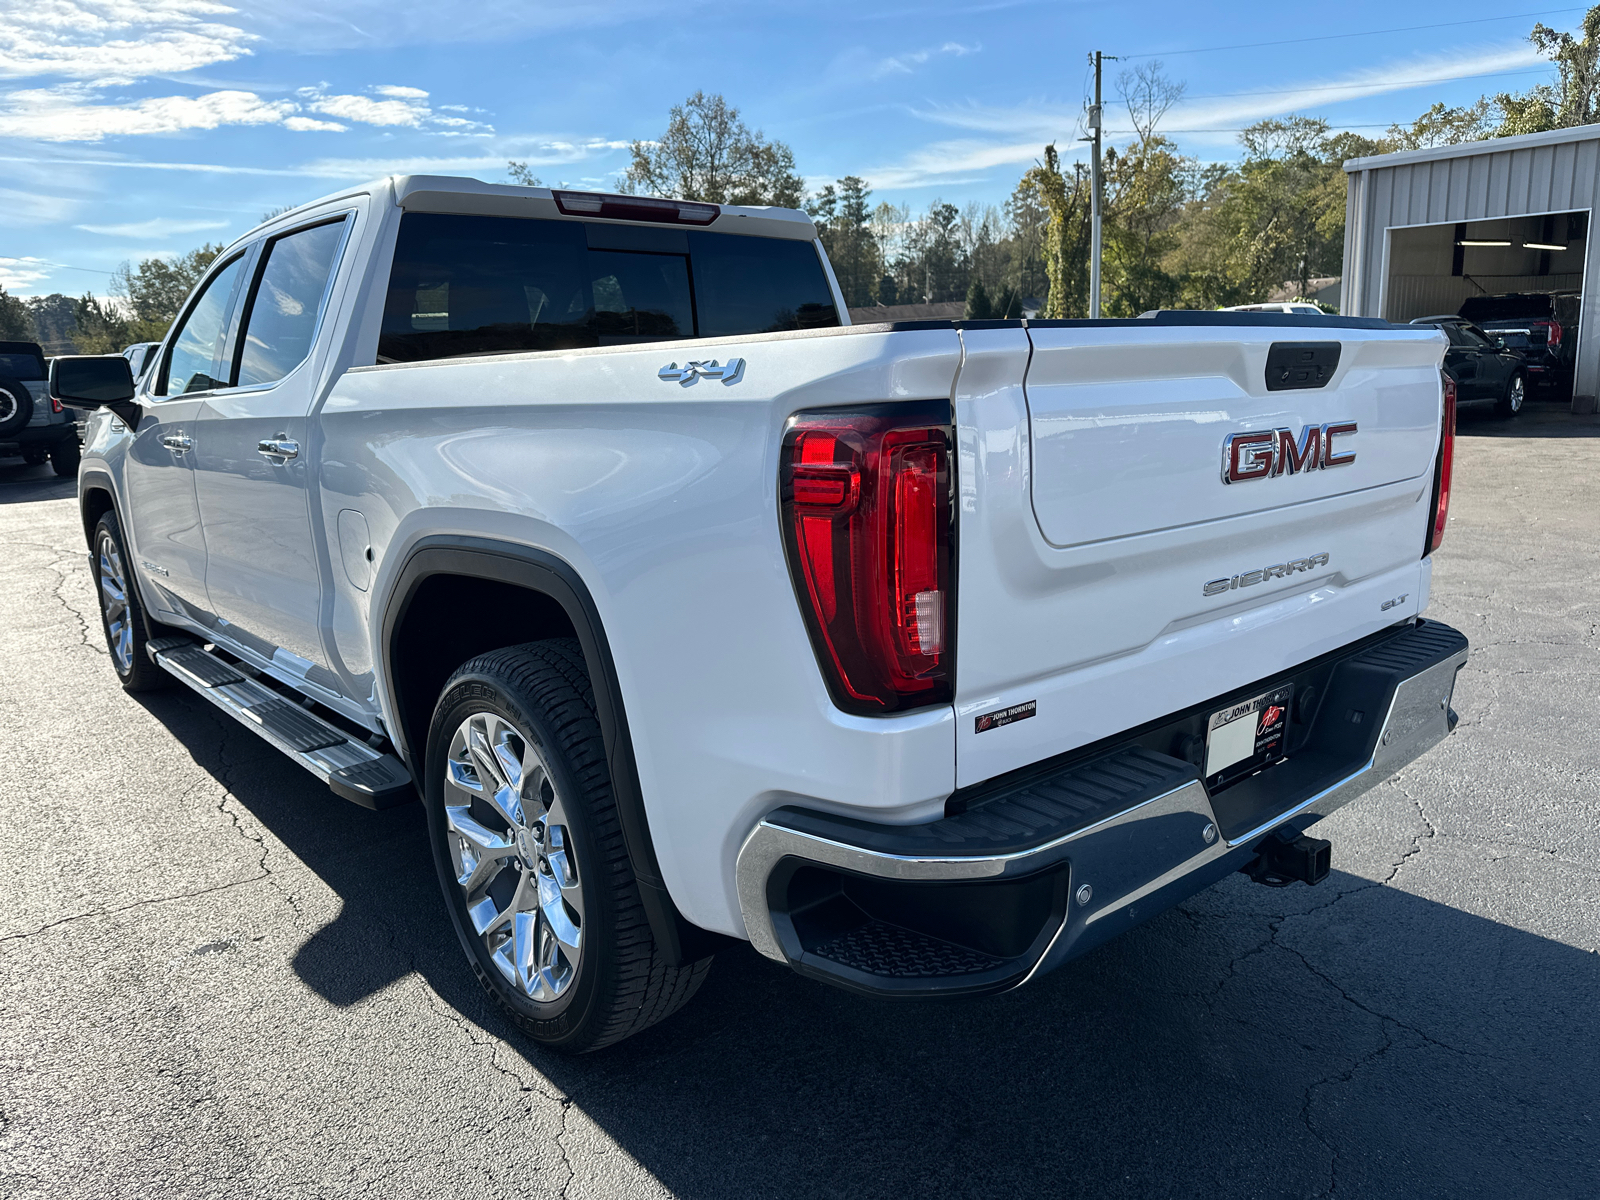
(177, 442)
(279, 449)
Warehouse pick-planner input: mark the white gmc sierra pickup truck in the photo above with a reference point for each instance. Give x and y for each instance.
(924, 657)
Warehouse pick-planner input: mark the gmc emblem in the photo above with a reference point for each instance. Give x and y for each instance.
(1275, 452)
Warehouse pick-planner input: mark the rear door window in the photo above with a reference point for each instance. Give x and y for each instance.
(281, 316)
(495, 285)
(193, 364)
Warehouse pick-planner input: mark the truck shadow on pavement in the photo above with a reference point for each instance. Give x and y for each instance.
(1352, 1037)
(20, 483)
(1539, 419)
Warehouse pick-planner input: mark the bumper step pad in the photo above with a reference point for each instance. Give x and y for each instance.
(354, 770)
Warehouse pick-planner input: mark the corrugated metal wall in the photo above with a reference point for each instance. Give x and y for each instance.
(1539, 173)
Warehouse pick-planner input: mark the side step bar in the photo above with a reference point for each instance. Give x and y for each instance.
(353, 769)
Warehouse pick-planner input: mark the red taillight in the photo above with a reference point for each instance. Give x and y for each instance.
(636, 208)
(1447, 458)
(867, 522)
(55, 404)
(1552, 337)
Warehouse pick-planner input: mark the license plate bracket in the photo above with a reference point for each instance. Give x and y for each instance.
(1244, 737)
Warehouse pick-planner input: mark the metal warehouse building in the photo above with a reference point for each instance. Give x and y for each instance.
(1426, 229)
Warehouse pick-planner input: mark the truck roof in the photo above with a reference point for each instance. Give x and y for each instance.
(462, 194)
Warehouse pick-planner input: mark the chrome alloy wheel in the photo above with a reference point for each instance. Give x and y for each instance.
(1517, 392)
(9, 405)
(513, 856)
(114, 602)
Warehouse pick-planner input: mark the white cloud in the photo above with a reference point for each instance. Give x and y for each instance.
(69, 113)
(487, 164)
(366, 24)
(905, 64)
(402, 107)
(20, 272)
(157, 227)
(115, 41)
(19, 208)
(369, 111)
(1021, 131)
(60, 114)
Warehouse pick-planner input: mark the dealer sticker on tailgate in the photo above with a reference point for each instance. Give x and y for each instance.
(1243, 737)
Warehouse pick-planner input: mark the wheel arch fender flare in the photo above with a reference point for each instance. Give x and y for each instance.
(540, 571)
(94, 482)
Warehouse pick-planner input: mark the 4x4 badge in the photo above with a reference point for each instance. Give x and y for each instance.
(730, 373)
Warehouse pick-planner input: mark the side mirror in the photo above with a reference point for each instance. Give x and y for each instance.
(91, 381)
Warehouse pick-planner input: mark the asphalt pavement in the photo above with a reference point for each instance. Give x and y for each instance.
(218, 980)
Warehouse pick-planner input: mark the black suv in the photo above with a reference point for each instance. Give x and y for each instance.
(29, 420)
(1549, 320)
(1484, 366)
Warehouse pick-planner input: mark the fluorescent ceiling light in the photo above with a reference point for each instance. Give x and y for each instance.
(1544, 245)
(1481, 242)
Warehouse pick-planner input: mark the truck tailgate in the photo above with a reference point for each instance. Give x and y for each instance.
(1095, 511)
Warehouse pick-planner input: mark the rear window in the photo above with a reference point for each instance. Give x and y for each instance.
(497, 285)
(22, 360)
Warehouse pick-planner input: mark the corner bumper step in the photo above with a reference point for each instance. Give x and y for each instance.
(354, 770)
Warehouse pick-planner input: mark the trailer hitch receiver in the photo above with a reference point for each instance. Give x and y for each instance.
(1282, 858)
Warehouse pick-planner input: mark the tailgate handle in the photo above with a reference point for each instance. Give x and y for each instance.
(1292, 365)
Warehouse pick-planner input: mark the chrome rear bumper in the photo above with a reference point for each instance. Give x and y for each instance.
(1121, 836)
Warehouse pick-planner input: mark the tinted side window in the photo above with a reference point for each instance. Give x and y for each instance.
(758, 285)
(192, 363)
(488, 285)
(485, 285)
(282, 315)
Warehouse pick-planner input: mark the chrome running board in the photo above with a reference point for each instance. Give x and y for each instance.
(353, 769)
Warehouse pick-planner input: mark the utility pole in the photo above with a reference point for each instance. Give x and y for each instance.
(1095, 124)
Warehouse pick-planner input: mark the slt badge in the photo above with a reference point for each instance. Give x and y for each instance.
(1275, 452)
(689, 372)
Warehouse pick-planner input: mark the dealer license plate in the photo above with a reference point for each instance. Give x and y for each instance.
(1245, 737)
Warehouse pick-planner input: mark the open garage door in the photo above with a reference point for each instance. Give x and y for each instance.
(1521, 277)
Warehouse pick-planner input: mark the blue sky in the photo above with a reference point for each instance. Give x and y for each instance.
(129, 129)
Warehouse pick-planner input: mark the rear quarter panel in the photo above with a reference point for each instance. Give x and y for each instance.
(663, 498)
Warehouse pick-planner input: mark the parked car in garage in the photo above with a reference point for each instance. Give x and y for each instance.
(1486, 369)
(29, 419)
(1549, 321)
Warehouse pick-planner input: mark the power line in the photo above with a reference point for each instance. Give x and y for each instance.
(1330, 37)
(1334, 126)
(1385, 83)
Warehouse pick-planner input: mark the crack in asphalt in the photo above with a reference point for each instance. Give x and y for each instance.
(226, 732)
(1327, 1081)
(61, 575)
(122, 908)
(1416, 839)
(494, 1045)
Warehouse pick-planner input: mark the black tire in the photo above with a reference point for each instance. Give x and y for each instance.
(620, 983)
(35, 455)
(16, 406)
(1513, 398)
(65, 456)
(126, 641)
